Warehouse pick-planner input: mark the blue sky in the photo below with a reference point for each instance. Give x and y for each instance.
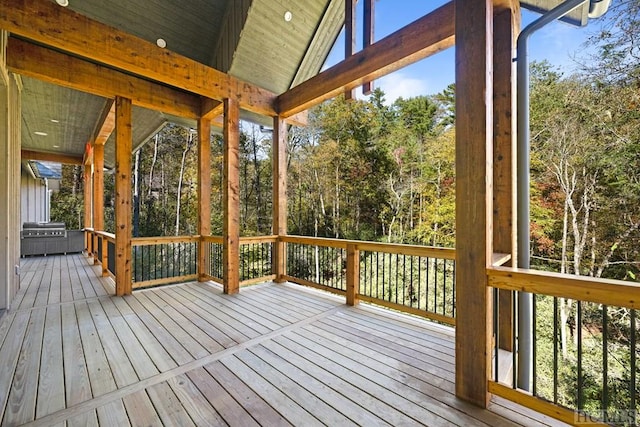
(558, 43)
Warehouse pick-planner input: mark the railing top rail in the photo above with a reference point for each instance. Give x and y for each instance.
(417, 250)
(258, 239)
(159, 240)
(108, 236)
(583, 288)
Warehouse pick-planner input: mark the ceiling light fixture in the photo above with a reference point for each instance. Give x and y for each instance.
(56, 146)
(63, 3)
(288, 16)
(55, 121)
(41, 133)
(161, 43)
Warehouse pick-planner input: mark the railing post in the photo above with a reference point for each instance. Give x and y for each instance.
(353, 274)
(105, 257)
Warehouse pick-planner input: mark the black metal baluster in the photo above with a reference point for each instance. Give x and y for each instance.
(555, 350)
(514, 339)
(496, 332)
(632, 384)
(579, 332)
(605, 361)
(534, 350)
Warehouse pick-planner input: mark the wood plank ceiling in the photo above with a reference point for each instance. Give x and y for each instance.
(249, 39)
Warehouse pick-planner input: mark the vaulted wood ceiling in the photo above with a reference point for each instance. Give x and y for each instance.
(248, 39)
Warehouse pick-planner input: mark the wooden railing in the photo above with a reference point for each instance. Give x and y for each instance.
(594, 377)
(256, 259)
(163, 260)
(101, 245)
(415, 279)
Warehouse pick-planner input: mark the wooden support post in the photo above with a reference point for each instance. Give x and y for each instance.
(231, 214)
(123, 196)
(279, 196)
(98, 195)
(105, 257)
(349, 35)
(367, 39)
(474, 158)
(353, 274)
(87, 204)
(506, 26)
(204, 192)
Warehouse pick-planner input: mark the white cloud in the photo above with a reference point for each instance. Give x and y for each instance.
(400, 84)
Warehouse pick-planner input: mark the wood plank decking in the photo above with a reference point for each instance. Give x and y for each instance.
(275, 354)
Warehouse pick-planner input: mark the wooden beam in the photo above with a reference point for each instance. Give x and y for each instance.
(211, 109)
(204, 192)
(506, 27)
(367, 37)
(231, 208)
(349, 35)
(124, 144)
(105, 125)
(474, 158)
(61, 28)
(68, 71)
(279, 196)
(98, 195)
(67, 159)
(424, 37)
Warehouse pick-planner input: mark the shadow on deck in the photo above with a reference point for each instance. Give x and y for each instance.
(276, 354)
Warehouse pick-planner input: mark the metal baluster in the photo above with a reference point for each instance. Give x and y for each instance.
(535, 346)
(496, 332)
(555, 349)
(605, 361)
(514, 339)
(579, 332)
(632, 384)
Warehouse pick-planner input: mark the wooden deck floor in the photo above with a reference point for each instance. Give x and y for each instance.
(189, 355)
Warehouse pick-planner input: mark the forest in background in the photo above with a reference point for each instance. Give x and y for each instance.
(372, 170)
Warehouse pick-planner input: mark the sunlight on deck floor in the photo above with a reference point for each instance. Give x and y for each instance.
(276, 354)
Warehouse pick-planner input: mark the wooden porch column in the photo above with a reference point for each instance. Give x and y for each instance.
(98, 195)
(349, 35)
(231, 209)
(506, 26)
(474, 173)
(204, 191)
(87, 203)
(123, 196)
(279, 196)
(367, 37)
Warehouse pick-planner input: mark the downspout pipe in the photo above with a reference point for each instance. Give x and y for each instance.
(525, 299)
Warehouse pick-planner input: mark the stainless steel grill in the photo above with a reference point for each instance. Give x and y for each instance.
(47, 238)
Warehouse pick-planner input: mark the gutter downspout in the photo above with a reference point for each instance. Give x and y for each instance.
(525, 299)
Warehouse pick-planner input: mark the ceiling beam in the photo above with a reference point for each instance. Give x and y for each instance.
(64, 70)
(106, 124)
(44, 156)
(420, 39)
(47, 23)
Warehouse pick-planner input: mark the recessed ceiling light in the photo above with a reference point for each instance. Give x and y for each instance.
(288, 16)
(56, 146)
(63, 3)
(55, 121)
(41, 133)
(161, 43)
